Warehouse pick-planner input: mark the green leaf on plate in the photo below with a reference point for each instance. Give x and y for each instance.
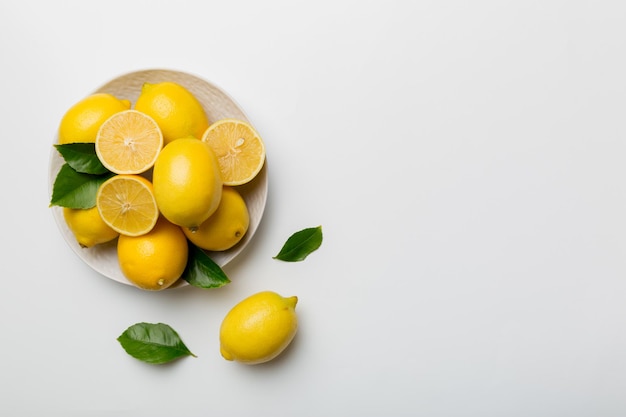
(202, 271)
(154, 343)
(301, 244)
(82, 157)
(74, 189)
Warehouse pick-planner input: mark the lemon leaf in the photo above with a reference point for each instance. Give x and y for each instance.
(82, 157)
(301, 244)
(202, 271)
(154, 343)
(75, 189)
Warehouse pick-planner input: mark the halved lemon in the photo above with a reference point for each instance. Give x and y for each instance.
(129, 142)
(126, 203)
(239, 150)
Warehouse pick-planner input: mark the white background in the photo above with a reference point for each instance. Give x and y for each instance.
(466, 162)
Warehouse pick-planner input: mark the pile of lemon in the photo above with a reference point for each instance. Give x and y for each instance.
(176, 179)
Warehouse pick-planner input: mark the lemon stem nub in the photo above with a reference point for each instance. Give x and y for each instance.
(292, 301)
(226, 355)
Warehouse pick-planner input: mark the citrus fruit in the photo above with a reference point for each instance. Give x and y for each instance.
(126, 203)
(155, 260)
(226, 227)
(88, 227)
(187, 183)
(258, 328)
(81, 121)
(239, 150)
(128, 142)
(175, 109)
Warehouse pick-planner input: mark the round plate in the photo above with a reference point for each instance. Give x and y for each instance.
(218, 105)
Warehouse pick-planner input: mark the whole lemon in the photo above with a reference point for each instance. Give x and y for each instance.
(81, 121)
(258, 328)
(88, 226)
(175, 109)
(187, 183)
(226, 227)
(155, 260)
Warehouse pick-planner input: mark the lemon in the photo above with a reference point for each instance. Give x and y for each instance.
(81, 121)
(155, 260)
(128, 142)
(126, 203)
(175, 109)
(258, 328)
(226, 227)
(88, 227)
(187, 182)
(239, 150)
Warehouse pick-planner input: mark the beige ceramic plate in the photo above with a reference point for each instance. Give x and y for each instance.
(218, 105)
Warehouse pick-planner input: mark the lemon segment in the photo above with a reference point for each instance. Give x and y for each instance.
(127, 204)
(239, 150)
(259, 328)
(129, 142)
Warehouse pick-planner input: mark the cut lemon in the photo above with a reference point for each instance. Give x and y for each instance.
(127, 204)
(239, 150)
(129, 142)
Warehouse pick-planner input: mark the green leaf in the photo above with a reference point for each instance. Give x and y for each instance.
(202, 271)
(74, 189)
(82, 157)
(301, 244)
(154, 343)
